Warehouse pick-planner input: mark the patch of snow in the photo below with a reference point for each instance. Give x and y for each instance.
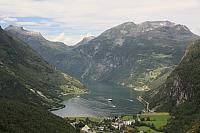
(185, 28)
(31, 33)
(123, 32)
(149, 29)
(163, 24)
(119, 41)
(96, 48)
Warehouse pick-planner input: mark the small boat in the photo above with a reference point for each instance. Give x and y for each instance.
(130, 100)
(78, 96)
(110, 100)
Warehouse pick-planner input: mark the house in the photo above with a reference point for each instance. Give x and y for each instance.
(121, 125)
(101, 128)
(129, 122)
(86, 129)
(115, 125)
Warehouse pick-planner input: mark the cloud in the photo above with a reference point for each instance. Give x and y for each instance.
(9, 19)
(68, 40)
(5, 20)
(26, 23)
(93, 11)
(95, 16)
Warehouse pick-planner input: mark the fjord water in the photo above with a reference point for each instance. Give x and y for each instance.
(96, 102)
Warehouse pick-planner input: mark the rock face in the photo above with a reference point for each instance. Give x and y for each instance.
(182, 86)
(134, 55)
(180, 94)
(84, 41)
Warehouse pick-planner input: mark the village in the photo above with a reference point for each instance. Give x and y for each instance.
(146, 121)
(139, 123)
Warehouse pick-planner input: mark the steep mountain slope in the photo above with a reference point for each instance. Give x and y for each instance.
(84, 41)
(183, 84)
(56, 53)
(45, 48)
(134, 55)
(16, 117)
(27, 78)
(180, 94)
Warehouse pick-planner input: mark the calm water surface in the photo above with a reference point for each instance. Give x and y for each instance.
(96, 103)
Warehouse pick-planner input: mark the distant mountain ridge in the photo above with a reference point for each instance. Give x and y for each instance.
(47, 49)
(134, 55)
(27, 78)
(84, 41)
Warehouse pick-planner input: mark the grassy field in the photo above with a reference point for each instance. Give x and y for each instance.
(147, 129)
(158, 119)
(127, 117)
(94, 119)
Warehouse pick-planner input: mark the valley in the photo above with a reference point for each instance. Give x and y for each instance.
(112, 74)
(147, 122)
(131, 55)
(95, 103)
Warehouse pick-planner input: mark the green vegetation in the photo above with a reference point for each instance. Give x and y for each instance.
(28, 87)
(102, 132)
(159, 120)
(151, 78)
(153, 74)
(27, 78)
(186, 119)
(180, 94)
(138, 62)
(160, 56)
(79, 119)
(147, 129)
(127, 117)
(73, 86)
(21, 118)
(147, 122)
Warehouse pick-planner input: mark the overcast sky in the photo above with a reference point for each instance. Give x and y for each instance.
(71, 20)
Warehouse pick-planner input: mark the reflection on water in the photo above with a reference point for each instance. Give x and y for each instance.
(96, 102)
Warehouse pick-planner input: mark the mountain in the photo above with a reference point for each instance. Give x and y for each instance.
(27, 78)
(133, 55)
(28, 87)
(84, 41)
(182, 85)
(16, 117)
(180, 94)
(47, 49)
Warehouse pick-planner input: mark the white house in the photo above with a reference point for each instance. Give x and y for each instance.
(86, 129)
(101, 128)
(115, 125)
(129, 122)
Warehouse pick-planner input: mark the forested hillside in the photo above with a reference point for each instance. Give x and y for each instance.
(180, 94)
(26, 77)
(16, 117)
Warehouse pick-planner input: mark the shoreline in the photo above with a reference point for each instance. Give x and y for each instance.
(65, 94)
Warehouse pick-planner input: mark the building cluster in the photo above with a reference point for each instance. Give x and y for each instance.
(108, 124)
